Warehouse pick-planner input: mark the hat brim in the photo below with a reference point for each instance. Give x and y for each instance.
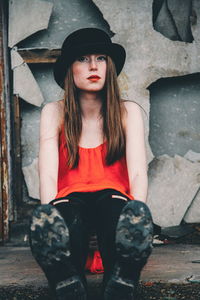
(115, 51)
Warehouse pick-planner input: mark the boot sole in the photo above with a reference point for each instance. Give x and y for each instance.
(49, 236)
(118, 289)
(134, 235)
(71, 289)
(134, 232)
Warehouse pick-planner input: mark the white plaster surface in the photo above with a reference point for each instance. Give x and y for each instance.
(16, 59)
(173, 184)
(193, 213)
(27, 17)
(192, 156)
(31, 177)
(24, 83)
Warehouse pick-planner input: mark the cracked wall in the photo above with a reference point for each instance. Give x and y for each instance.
(150, 56)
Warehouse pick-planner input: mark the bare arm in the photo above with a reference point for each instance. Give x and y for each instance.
(136, 151)
(48, 151)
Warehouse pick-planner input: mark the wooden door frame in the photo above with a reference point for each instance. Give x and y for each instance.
(5, 128)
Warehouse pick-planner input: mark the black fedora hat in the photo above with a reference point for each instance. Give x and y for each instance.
(87, 41)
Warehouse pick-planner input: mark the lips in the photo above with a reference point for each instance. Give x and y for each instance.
(94, 77)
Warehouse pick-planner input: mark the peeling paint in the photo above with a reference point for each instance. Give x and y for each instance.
(27, 17)
(16, 59)
(24, 83)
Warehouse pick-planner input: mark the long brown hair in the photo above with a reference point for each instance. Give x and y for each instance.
(112, 112)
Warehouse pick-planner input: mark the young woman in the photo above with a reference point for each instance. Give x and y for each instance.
(93, 174)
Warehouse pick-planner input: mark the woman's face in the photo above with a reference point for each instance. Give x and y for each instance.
(89, 72)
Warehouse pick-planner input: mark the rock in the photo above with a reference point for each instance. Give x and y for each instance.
(31, 177)
(173, 183)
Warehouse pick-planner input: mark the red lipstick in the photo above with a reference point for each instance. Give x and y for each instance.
(94, 78)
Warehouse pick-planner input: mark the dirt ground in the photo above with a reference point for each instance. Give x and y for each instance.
(160, 291)
(157, 291)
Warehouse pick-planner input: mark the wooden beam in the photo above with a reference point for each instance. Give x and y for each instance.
(17, 157)
(4, 119)
(38, 56)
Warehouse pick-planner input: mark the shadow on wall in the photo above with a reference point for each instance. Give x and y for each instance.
(174, 115)
(173, 18)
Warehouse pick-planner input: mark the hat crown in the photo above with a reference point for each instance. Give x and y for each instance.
(87, 41)
(86, 36)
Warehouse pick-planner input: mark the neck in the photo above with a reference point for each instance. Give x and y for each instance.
(90, 104)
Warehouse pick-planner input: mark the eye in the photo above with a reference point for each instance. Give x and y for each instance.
(82, 58)
(102, 58)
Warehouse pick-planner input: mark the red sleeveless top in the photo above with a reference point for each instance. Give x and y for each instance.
(92, 173)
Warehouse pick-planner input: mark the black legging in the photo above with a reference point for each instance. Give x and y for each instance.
(84, 212)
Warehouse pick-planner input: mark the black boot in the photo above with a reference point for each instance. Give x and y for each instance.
(49, 241)
(134, 235)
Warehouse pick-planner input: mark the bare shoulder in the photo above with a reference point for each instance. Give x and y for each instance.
(54, 108)
(52, 113)
(132, 107)
(51, 119)
(132, 113)
(133, 118)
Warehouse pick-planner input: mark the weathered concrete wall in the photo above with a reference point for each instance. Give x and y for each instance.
(150, 56)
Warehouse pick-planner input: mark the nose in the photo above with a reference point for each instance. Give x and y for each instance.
(93, 64)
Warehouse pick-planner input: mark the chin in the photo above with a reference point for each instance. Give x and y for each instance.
(94, 89)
